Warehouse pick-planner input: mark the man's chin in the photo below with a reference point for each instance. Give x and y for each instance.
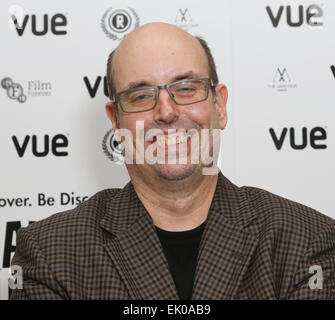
(175, 172)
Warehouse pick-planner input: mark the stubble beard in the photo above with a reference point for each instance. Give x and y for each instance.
(175, 172)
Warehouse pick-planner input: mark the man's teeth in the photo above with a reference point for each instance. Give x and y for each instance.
(173, 140)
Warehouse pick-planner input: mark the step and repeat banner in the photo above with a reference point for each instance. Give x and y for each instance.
(276, 57)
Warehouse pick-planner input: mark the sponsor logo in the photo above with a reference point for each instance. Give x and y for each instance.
(117, 23)
(56, 145)
(93, 86)
(295, 16)
(40, 26)
(111, 147)
(184, 19)
(282, 81)
(299, 140)
(39, 88)
(332, 68)
(34, 88)
(14, 90)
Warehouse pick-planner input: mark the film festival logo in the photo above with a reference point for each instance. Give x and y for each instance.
(281, 81)
(14, 90)
(184, 19)
(116, 24)
(35, 88)
(111, 147)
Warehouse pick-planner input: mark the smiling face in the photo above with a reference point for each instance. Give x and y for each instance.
(158, 54)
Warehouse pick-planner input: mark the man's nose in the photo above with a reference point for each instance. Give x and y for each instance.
(166, 110)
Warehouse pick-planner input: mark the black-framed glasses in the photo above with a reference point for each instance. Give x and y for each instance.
(182, 92)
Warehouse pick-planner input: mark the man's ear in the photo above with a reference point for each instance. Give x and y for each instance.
(221, 93)
(111, 113)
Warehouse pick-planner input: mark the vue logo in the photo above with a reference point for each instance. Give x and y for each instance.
(313, 14)
(40, 26)
(300, 139)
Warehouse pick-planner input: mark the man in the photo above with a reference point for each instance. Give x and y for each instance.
(175, 231)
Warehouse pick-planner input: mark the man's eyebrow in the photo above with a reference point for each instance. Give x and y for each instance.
(143, 83)
(137, 84)
(186, 75)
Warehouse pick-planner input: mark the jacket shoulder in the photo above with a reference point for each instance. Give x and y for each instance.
(291, 238)
(281, 212)
(80, 220)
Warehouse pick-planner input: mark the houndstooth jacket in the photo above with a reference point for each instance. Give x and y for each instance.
(255, 245)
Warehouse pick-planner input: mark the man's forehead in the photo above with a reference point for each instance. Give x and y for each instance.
(158, 48)
(171, 78)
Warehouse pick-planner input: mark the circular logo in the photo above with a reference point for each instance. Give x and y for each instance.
(6, 83)
(118, 23)
(22, 98)
(14, 91)
(111, 147)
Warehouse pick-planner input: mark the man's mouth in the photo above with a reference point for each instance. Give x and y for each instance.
(172, 139)
(169, 141)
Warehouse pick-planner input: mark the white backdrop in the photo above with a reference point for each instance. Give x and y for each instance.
(55, 147)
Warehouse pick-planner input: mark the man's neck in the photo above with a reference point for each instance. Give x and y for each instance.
(177, 205)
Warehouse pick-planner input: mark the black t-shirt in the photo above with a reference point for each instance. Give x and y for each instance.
(181, 251)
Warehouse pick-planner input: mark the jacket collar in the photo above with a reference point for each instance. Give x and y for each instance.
(124, 207)
(135, 249)
(227, 245)
(225, 250)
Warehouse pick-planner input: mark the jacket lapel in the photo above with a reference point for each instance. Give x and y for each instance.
(227, 244)
(135, 248)
(225, 251)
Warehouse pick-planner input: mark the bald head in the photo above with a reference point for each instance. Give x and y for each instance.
(156, 45)
(154, 35)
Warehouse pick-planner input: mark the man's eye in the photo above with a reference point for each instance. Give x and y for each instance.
(186, 90)
(140, 97)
